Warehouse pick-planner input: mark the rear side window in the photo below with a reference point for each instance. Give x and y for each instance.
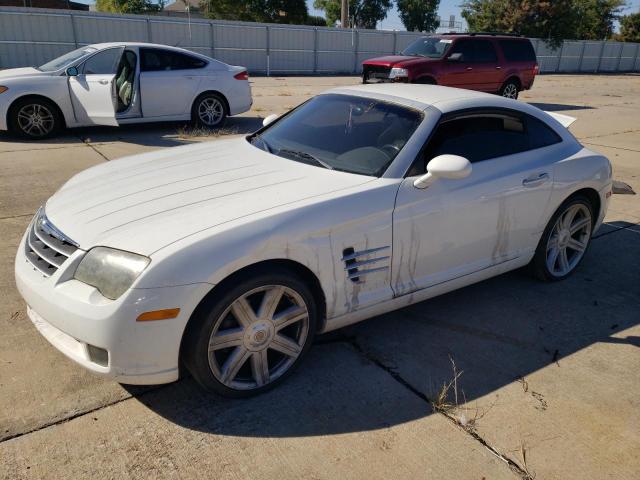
(155, 60)
(540, 135)
(517, 50)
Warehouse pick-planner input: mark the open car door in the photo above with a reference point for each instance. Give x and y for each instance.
(93, 89)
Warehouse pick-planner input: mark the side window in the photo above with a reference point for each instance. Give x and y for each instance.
(484, 52)
(540, 135)
(478, 137)
(465, 47)
(103, 63)
(518, 50)
(155, 60)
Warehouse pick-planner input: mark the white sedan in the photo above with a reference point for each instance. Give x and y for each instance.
(121, 83)
(230, 256)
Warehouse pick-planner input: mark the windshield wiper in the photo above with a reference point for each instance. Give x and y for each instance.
(306, 156)
(264, 142)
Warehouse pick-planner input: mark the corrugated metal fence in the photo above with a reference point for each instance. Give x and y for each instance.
(34, 36)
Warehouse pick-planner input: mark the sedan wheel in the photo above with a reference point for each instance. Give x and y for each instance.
(34, 119)
(209, 111)
(565, 241)
(251, 340)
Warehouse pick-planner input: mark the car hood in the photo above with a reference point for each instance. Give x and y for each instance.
(21, 73)
(398, 60)
(145, 202)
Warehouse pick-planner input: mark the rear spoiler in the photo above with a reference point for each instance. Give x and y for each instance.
(565, 120)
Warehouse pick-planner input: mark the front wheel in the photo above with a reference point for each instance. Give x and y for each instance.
(34, 118)
(564, 241)
(253, 336)
(209, 111)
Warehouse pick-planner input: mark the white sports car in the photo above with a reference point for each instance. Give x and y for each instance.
(121, 83)
(230, 256)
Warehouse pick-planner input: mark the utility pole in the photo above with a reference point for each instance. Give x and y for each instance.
(344, 14)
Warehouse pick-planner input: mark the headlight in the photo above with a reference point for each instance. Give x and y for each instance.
(398, 72)
(3, 88)
(111, 271)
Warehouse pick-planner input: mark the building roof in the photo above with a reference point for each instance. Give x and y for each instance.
(181, 5)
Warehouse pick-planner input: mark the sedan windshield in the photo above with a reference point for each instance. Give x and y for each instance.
(341, 132)
(432, 47)
(66, 60)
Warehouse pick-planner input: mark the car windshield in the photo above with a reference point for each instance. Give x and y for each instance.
(341, 132)
(432, 47)
(66, 60)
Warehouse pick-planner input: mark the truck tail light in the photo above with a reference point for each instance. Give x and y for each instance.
(536, 69)
(241, 76)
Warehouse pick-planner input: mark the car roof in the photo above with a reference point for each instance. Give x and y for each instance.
(414, 95)
(138, 44)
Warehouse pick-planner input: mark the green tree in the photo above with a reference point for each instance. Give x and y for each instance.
(268, 11)
(595, 18)
(630, 28)
(128, 6)
(363, 13)
(419, 15)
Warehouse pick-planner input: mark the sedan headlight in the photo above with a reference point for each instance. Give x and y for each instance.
(111, 271)
(398, 72)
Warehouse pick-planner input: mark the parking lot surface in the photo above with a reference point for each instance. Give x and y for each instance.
(547, 375)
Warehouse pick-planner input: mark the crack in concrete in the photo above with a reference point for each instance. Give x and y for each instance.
(514, 466)
(17, 216)
(91, 146)
(611, 146)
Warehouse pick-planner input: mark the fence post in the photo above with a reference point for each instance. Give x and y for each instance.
(213, 40)
(635, 57)
(356, 40)
(268, 51)
(148, 30)
(584, 44)
(619, 57)
(73, 29)
(560, 57)
(395, 43)
(600, 59)
(315, 50)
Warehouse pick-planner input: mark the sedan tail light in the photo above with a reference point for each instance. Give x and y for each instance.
(241, 76)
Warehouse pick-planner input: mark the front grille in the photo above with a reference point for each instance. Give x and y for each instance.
(47, 248)
(376, 71)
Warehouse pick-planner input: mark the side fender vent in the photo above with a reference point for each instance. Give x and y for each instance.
(360, 263)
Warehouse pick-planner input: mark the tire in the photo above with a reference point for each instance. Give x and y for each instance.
(365, 79)
(34, 118)
(510, 89)
(209, 111)
(548, 264)
(425, 81)
(236, 367)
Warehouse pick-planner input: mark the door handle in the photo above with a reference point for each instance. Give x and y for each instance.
(103, 82)
(536, 180)
(469, 68)
(498, 68)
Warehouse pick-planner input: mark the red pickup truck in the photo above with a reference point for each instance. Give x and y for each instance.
(496, 63)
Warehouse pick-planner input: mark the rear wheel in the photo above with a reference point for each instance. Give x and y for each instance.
(34, 118)
(252, 337)
(564, 241)
(510, 89)
(209, 110)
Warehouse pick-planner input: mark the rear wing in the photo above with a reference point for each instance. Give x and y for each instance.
(565, 120)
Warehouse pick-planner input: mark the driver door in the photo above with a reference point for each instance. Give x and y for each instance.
(93, 92)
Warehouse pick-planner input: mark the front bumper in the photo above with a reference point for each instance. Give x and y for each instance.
(73, 316)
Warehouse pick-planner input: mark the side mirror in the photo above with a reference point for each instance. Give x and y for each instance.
(72, 72)
(452, 167)
(269, 119)
(455, 57)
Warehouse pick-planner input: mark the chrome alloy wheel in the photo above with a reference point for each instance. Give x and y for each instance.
(258, 337)
(510, 91)
(210, 111)
(568, 240)
(35, 120)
